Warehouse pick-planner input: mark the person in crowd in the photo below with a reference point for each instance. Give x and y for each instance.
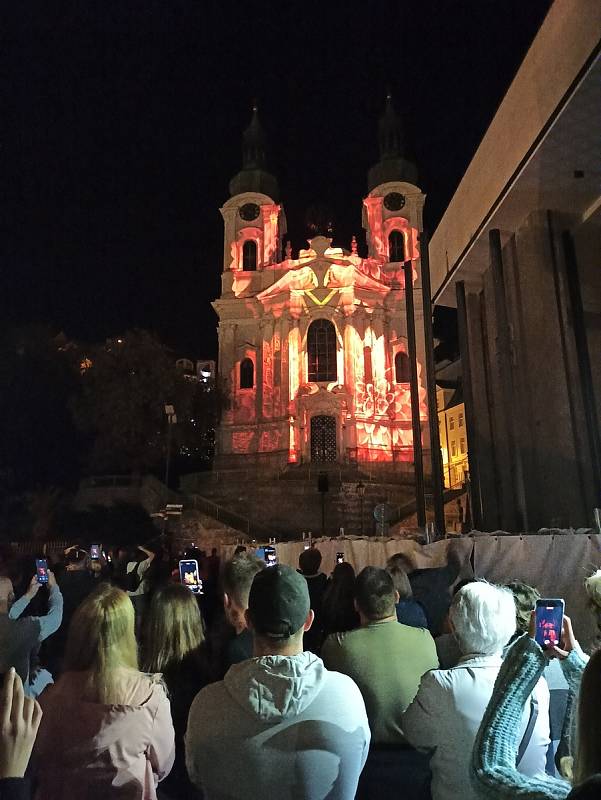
(525, 598)
(137, 580)
(20, 718)
(76, 582)
(449, 706)
(432, 587)
(408, 610)
(309, 563)
(386, 660)
(493, 768)
(447, 648)
(174, 646)
(281, 724)
(338, 607)
(21, 636)
(106, 730)
(237, 578)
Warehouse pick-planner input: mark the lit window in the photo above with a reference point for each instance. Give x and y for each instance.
(396, 246)
(451, 423)
(460, 423)
(249, 255)
(321, 349)
(402, 372)
(247, 374)
(462, 445)
(453, 448)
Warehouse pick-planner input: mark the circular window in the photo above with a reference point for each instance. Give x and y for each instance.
(249, 211)
(394, 201)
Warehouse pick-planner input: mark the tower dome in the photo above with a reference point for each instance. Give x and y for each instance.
(392, 166)
(254, 177)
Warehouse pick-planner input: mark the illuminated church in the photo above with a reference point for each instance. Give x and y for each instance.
(313, 349)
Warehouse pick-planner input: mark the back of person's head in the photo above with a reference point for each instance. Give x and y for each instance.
(401, 560)
(102, 640)
(237, 577)
(279, 606)
(588, 753)
(483, 618)
(309, 561)
(525, 598)
(6, 594)
(173, 627)
(375, 593)
(400, 581)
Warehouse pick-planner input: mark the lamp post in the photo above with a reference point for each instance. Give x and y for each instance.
(361, 493)
(171, 420)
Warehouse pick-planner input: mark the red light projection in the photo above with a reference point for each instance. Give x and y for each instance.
(364, 299)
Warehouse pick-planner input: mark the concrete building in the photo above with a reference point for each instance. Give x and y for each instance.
(518, 253)
(313, 347)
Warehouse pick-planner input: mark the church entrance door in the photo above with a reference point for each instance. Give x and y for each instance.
(323, 439)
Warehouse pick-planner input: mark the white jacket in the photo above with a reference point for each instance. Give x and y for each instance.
(446, 714)
(278, 727)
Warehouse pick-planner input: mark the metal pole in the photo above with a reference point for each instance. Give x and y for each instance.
(362, 501)
(475, 495)
(420, 500)
(436, 455)
(323, 514)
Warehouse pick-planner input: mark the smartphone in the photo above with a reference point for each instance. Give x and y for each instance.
(340, 558)
(306, 547)
(271, 558)
(190, 576)
(95, 550)
(260, 553)
(41, 567)
(549, 619)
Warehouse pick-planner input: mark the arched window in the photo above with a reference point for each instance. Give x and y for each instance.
(402, 372)
(321, 347)
(247, 374)
(249, 255)
(396, 246)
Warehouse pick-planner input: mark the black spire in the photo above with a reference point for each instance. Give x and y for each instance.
(390, 133)
(253, 143)
(254, 176)
(392, 166)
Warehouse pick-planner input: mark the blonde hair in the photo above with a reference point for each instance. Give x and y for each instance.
(102, 642)
(588, 750)
(173, 628)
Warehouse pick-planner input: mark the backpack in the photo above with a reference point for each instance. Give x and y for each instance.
(134, 579)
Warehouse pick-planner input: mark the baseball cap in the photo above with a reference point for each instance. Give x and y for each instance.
(278, 603)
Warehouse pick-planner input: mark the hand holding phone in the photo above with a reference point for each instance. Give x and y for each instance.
(340, 558)
(41, 568)
(190, 576)
(548, 618)
(95, 551)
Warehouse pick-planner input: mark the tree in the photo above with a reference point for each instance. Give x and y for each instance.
(122, 402)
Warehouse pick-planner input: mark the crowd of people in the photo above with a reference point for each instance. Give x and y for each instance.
(120, 682)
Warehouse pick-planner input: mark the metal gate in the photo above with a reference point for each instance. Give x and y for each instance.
(323, 439)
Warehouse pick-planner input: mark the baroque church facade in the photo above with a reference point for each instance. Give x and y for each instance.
(313, 346)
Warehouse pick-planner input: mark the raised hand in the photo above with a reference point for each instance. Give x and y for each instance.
(20, 719)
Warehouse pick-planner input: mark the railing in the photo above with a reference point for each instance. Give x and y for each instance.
(239, 522)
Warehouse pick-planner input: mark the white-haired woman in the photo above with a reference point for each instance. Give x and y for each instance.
(448, 708)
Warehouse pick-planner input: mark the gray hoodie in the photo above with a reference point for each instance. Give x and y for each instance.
(278, 727)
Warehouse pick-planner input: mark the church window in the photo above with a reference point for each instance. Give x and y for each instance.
(402, 373)
(396, 246)
(247, 374)
(249, 255)
(321, 348)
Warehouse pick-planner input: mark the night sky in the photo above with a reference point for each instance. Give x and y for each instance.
(123, 127)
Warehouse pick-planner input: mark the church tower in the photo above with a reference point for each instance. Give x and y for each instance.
(313, 346)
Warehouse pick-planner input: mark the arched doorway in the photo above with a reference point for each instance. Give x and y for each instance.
(323, 439)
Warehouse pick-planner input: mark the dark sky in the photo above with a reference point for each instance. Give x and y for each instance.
(123, 127)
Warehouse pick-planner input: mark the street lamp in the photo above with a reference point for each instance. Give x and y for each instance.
(171, 420)
(361, 493)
